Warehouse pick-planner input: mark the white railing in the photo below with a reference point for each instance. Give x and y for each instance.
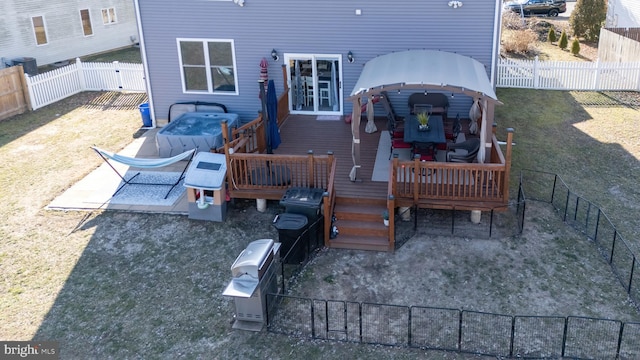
(568, 75)
(52, 86)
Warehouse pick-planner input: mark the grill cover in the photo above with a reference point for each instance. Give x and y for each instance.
(254, 259)
(249, 268)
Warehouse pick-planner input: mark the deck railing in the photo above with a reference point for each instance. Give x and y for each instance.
(448, 185)
(255, 175)
(270, 172)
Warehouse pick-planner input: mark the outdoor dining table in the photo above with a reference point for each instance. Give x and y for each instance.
(435, 135)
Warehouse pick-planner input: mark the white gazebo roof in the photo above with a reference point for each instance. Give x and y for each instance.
(424, 68)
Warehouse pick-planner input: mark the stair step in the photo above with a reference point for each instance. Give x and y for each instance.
(360, 201)
(363, 228)
(360, 225)
(374, 243)
(361, 212)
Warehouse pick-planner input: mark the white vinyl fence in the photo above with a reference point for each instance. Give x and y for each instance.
(49, 87)
(568, 75)
(52, 86)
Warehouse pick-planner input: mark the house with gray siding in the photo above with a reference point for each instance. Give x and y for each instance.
(211, 50)
(53, 31)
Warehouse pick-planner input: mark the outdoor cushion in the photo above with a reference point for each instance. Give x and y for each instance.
(439, 102)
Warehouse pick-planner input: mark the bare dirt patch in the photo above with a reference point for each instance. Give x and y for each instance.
(542, 272)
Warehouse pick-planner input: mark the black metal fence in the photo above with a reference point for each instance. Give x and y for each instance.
(455, 330)
(299, 247)
(500, 222)
(588, 218)
(471, 331)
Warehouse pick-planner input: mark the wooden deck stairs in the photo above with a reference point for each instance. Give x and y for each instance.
(360, 224)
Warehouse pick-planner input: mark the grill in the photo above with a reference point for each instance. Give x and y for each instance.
(253, 277)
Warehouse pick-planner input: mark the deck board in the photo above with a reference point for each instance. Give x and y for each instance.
(301, 133)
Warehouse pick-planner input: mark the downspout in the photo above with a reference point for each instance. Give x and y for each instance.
(143, 54)
(497, 26)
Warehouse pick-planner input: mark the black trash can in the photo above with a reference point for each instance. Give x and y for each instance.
(29, 65)
(301, 200)
(308, 202)
(290, 227)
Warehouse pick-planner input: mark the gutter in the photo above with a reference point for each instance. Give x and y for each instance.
(143, 53)
(497, 25)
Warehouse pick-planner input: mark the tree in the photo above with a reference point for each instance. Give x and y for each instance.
(551, 36)
(587, 18)
(564, 40)
(575, 47)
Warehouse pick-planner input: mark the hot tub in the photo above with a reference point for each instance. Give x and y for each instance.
(193, 130)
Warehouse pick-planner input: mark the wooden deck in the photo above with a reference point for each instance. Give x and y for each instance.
(301, 133)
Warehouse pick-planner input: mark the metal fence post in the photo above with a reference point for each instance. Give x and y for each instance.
(613, 245)
(633, 266)
(595, 235)
(566, 206)
(564, 335)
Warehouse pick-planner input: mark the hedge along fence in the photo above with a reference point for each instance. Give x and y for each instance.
(479, 332)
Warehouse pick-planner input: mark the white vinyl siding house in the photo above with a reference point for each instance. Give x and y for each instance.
(51, 31)
(623, 14)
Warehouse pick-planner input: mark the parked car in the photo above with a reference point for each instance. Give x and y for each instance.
(537, 7)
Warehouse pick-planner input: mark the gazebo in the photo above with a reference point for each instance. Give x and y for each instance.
(424, 70)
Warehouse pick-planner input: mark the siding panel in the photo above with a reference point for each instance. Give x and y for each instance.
(328, 27)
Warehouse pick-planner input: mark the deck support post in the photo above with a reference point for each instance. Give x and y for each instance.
(261, 205)
(405, 213)
(475, 216)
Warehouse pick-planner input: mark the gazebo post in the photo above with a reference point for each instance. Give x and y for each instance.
(355, 132)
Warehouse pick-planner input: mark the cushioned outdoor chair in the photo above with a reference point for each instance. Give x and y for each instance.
(465, 151)
(395, 121)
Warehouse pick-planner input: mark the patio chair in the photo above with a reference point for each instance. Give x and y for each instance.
(144, 164)
(422, 108)
(397, 138)
(395, 121)
(426, 151)
(465, 151)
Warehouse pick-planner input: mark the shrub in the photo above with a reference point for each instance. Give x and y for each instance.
(512, 21)
(551, 35)
(587, 18)
(564, 41)
(519, 41)
(575, 47)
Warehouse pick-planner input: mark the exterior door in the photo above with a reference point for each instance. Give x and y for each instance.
(315, 83)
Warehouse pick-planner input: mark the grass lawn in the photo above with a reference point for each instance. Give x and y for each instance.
(131, 285)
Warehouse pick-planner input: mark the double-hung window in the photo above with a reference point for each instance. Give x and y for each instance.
(109, 16)
(208, 66)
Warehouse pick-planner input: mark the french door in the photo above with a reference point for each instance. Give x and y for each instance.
(315, 83)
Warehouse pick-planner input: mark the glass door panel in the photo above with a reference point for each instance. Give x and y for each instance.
(314, 83)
